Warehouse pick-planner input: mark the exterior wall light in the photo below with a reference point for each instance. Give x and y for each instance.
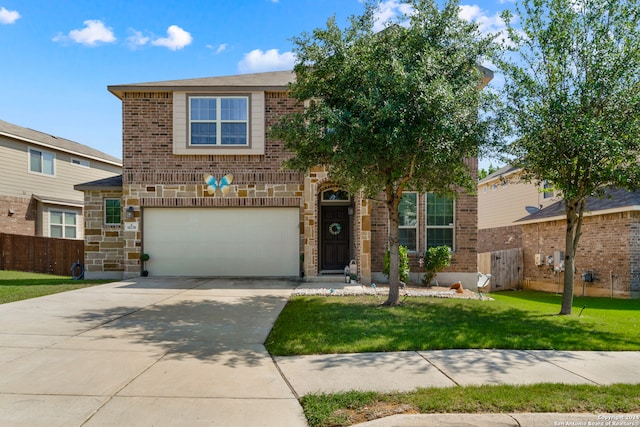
(130, 212)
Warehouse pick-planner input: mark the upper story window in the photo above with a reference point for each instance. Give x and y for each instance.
(408, 229)
(216, 124)
(547, 190)
(112, 212)
(63, 224)
(440, 221)
(221, 120)
(41, 162)
(80, 162)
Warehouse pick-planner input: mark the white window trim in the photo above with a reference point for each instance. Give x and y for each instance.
(80, 162)
(451, 225)
(112, 224)
(64, 226)
(42, 152)
(415, 227)
(257, 127)
(219, 121)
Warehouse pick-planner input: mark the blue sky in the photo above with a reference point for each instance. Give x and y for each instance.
(59, 56)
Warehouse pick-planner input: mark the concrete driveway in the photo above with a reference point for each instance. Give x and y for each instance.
(146, 352)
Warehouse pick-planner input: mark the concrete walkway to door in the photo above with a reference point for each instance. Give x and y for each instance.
(161, 352)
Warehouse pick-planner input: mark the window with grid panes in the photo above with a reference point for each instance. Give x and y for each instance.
(408, 229)
(440, 221)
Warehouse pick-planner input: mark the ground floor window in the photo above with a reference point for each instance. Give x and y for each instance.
(408, 229)
(440, 221)
(63, 224)
(112, 212)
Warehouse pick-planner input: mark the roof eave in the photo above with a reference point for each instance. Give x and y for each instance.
(58, 148)
(633, 208)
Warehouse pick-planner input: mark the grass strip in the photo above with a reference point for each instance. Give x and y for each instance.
(344, 409)
(521, 320)
(18, 285)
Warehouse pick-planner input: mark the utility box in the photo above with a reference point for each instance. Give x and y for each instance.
(558, 261)
(539, 259)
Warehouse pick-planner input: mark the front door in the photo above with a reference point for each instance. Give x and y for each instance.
(335, 237)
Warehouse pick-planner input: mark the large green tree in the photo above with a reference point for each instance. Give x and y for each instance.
(390, 110)
(573, 95)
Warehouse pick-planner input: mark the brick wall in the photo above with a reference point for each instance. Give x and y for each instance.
(148, 142)
(605, 247)
(464, 258)
(499, 238)
(23, 219)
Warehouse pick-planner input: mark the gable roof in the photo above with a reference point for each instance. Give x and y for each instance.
(53, 142)
(614, 200)
(503, 171)
(271, 81)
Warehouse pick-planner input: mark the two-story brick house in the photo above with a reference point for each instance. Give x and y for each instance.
(204, 194)
(37, 178)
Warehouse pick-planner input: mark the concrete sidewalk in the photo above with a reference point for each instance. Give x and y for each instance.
(406, 371)
(189, 352)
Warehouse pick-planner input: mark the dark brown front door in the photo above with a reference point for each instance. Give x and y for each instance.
(335, 237)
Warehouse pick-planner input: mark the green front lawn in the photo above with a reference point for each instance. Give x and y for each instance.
(18, 285)
(515, 320)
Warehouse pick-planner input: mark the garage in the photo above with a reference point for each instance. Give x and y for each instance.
(222, 241)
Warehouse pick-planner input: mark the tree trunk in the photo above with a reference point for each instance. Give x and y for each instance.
(394, 256)
(572, 236)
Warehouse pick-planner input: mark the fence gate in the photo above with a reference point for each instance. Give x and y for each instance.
(506, 268)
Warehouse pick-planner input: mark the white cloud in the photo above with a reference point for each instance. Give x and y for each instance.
(176, 39)
(271, 60)
(219, 49)
(8, 16)
(388, 11)
(93, 33)
(136, 39)
(486, 23)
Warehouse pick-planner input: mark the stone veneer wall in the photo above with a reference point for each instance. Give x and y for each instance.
(103, 244)
(315, 183)
(610, 245)
(23, 219)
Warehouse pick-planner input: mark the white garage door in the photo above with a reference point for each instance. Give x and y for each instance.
(222, 241)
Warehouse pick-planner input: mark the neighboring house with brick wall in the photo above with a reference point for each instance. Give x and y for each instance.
(203, 193)
(513, 213)
(37, 177)
(607, 262)
(503, 198)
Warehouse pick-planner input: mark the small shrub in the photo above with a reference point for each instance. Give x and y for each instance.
(404, 263)
(435, 259)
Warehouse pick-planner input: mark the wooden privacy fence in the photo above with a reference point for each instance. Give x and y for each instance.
(39, 254)
(506, 268)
